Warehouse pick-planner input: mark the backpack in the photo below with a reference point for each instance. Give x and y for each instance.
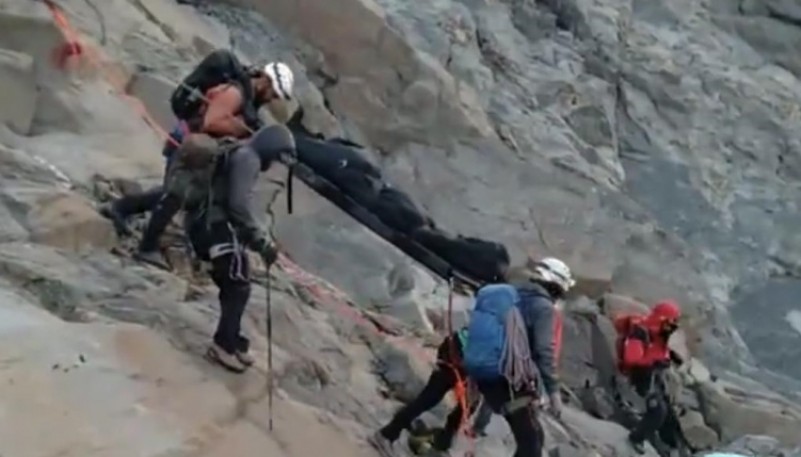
(219, 67)
(194, 166)
(486, 342)
(630, 345)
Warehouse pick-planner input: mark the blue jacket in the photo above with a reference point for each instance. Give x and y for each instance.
(537, 308)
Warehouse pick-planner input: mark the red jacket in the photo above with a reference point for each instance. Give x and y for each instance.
(641, 339)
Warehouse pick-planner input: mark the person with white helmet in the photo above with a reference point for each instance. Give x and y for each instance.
(512, 345)
(220, 97)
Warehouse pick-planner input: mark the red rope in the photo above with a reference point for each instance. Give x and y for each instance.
(73, 47)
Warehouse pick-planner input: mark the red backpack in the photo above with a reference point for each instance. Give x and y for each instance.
(632, 342)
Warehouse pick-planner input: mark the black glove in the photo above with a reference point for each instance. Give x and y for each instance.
(267, 250)
(662, 364)
(676, 358)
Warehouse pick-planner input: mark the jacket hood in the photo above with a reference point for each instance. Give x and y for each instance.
(667, 310)
(532, 288)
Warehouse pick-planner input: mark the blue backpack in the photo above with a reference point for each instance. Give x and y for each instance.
(486, 333)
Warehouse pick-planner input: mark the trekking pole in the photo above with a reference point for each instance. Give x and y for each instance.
(269, 349)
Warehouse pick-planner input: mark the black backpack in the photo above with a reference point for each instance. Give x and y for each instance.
(219, 67)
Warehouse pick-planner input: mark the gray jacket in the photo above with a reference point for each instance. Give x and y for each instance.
(233, 194)
(539, 314)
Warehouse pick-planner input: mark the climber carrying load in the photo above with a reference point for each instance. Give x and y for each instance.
(216, 182)
(512, 346)
(220, 98)
(643, 356)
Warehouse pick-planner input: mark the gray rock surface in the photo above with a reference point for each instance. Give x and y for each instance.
(652, 145)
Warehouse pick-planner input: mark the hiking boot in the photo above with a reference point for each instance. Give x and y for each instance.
(638, 446)
(225, 359)
(153, 258)
(110, 211)
(420, 444)
(245, 358)
(381, 444)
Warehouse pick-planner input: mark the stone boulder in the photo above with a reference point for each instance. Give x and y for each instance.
(733, 412)
(18, 91)
(35, 198)
(395, 93)
(760, 446)
(154, 91)
(695, 430)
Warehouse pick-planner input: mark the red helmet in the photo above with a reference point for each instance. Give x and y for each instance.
(665, 311)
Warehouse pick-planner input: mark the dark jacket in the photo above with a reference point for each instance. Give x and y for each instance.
(539, 314)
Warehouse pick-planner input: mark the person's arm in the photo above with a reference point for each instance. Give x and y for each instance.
(243, 173)
(543, 345)
(222, 114)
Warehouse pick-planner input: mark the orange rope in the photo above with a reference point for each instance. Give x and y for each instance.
(460, 388)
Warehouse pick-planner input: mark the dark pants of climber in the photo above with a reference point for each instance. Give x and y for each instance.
(522, 420)
(149, 200)
(230, 272)
(649, 385)
(441, 381)
(164, 210)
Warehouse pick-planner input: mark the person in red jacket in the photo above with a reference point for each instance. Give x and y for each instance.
(643, 353)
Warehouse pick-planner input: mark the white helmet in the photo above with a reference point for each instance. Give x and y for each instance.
(282, 79)
(554, 271)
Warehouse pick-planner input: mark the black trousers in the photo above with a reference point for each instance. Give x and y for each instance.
(523, 422)
(163, 206)
(441, 381)
(649, 384)
(230, 271)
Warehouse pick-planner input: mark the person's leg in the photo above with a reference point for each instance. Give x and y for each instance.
(230, 272)
(166, 208)
(438, 385)
(652, 420)
(527, 430)
(482, 418)
(121, 209)
(443, 439)
(522, 418)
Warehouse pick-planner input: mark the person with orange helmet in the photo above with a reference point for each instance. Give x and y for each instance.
(643, 354)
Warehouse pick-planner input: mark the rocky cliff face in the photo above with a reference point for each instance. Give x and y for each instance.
(651, 144)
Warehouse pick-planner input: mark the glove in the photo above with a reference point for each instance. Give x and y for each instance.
(267, 251)
(555, 406)
(676, 358)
